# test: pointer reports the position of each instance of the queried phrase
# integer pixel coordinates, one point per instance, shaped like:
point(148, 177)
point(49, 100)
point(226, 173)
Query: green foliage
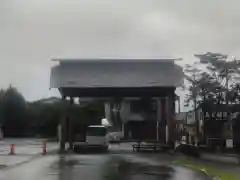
point(13, 112)
point(88, 114)
point(216, 83)
point(2, 92)
point(208, 169)
point(19, 118)
point(213, 83)
point(43, 118)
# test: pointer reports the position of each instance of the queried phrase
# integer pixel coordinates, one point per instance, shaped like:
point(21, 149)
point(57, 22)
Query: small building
point(181, 119)
point(215, 125)
point(50, 100)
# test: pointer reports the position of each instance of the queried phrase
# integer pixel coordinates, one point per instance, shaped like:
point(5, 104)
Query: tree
point(20, 118)
point(224, 71)
point(14, 113)
point(216, 83)
point(44, 118)
point(2, 92)
point(193, 76)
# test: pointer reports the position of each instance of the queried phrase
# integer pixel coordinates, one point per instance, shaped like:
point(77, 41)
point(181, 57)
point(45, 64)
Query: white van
point(96, 136)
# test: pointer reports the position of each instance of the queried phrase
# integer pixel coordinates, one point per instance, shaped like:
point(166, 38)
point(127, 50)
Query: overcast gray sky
point(34, 31)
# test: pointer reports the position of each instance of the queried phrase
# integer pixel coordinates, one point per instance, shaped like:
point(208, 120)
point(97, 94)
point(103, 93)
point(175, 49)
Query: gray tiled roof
point(116, 73)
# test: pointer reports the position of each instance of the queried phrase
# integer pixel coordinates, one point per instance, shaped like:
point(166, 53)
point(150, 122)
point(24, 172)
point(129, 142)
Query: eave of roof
point(72, 60)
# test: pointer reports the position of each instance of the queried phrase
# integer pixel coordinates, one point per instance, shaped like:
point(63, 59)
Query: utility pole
point(195, 108)
point(194, 72)
point(179, 106)
point(227, 101)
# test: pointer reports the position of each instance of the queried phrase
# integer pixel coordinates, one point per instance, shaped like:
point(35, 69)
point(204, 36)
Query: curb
point(201, 170)
point(221, 159)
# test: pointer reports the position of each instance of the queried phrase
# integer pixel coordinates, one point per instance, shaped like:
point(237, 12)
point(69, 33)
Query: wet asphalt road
point(114, 165)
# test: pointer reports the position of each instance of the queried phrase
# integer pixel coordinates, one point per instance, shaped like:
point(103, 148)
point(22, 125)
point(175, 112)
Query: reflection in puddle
point(64, 162)
point(119, 168)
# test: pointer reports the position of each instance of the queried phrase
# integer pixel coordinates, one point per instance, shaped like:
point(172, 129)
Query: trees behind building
point(13, 112)
point(19, 118)
point(214, 86)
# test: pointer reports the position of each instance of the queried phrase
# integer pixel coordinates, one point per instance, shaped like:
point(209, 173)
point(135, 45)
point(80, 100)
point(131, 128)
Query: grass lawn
point(210, 170)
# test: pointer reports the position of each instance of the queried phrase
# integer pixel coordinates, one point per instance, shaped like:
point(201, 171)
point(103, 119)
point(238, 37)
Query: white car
point(96, 137)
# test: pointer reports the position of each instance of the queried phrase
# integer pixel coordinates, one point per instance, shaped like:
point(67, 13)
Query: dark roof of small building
point(49, 100)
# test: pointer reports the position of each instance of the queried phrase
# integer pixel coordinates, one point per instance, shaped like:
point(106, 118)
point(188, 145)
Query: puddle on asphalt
point(120, 169)
point(64, 162)
point(114, 167)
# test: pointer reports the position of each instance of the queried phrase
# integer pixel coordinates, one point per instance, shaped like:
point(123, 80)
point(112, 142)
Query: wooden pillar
point(159, 112)
point(170, 107)
point(167, 120)
point(174, 127)
point(163, 121)
point(70, 124)
point(63, 126)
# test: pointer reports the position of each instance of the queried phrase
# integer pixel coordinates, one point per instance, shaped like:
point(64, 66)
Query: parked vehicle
point(96, 137)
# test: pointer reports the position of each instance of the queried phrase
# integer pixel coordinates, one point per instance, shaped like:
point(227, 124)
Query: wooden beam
point(70, 125)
